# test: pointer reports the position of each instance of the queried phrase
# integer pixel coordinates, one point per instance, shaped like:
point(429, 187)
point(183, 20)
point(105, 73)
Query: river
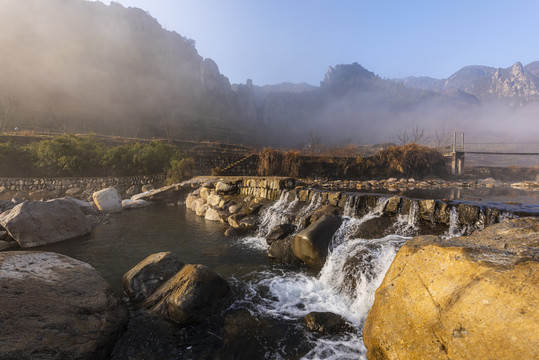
point(264, 318)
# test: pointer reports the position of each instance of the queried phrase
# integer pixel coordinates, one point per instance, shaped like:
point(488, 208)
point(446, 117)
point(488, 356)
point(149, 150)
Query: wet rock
point(333, 198)
point(191, 295)
point(149, 274)
point(324, 210)
point(134, 204)
point(249, 222)
point(311, 245)
point(246, 336)
point(392, 206)
point(427, 209)
point(280, 232)
point(252, 209)
point(326, 323)
point(468, 214)
point(452, 298)
point(442, 213)
point(38, 223)
point(108, 200)
point(234, 220)
point(56, 307)
point(281, 251)
point(375, 228)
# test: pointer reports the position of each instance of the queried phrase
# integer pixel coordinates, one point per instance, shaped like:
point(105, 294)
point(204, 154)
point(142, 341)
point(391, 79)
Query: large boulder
point(56, 307)
point(311, 244)
point(108, 200)
point(190, 296)
point(38, 223)
point(474, 296)
point(149, 274)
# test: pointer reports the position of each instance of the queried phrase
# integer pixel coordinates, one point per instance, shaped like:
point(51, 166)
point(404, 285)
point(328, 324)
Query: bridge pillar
point(457, 162)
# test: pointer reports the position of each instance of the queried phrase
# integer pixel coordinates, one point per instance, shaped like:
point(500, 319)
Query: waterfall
point(345, 286)
point(350, 225)
point(406, 225)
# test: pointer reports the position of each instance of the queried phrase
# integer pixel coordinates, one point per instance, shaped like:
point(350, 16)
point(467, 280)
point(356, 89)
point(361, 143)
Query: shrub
point(292, 163)
point(67, 155)
point(270, 162)
point(411, 160)
point(180, 169)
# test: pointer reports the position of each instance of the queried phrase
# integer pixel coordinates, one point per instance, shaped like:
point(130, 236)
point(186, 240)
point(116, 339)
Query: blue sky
point(296, 40)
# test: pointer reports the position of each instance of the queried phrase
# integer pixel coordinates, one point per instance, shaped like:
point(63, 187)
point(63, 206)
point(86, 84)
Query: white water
point(346, 284)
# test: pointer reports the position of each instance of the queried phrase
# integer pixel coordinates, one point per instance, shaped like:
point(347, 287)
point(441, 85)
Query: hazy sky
point(272, 41)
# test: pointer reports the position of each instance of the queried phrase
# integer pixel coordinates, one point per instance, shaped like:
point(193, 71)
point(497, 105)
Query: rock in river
point(311, 245)
point(191, 295)
point(469, 297)
point(38, 223)
point(142, 280)
point(56, 307)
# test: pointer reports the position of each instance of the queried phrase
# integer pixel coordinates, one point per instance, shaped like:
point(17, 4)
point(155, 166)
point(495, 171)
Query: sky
point(274, 41)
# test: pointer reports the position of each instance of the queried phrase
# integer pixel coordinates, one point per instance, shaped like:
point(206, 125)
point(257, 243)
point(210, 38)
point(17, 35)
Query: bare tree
point(313, 142)
point(442, 138)
point(414, 135)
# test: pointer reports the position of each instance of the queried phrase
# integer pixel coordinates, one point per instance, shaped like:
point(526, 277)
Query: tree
point(314, 141)
point(412, 136)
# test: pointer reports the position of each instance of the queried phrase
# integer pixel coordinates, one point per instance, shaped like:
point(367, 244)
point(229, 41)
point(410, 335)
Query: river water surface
point(277, 296)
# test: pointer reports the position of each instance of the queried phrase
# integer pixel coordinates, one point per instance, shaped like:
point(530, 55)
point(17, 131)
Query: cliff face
point(84, 66)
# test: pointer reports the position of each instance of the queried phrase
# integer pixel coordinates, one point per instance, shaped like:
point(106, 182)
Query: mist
point(78, 67)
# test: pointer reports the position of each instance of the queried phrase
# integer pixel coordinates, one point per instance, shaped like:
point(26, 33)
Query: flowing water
point(273, 298)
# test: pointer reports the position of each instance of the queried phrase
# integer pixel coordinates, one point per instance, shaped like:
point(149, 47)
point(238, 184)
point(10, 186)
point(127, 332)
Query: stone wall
point(205, 164)
point(38, 189)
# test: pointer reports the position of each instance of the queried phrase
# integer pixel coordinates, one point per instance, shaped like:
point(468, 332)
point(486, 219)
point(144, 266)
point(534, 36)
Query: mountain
point(82, 66)
point(79, 66)
point(515, 85)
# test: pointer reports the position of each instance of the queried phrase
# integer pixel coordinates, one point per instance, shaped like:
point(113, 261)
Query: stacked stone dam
point(431, 212)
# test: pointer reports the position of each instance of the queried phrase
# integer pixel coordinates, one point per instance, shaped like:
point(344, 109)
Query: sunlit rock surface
point(108, 200)
point(56, 307)
point(449, 299)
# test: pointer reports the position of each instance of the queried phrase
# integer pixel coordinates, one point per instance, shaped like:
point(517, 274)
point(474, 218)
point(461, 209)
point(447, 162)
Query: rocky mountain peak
point(514, 84)
point(347, 75)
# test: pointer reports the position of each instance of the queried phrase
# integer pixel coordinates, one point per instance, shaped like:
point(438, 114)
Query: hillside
point(77, 66)
point(73, 65)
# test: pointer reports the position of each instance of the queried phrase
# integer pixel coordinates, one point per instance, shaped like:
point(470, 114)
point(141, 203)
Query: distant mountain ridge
point(517, 84)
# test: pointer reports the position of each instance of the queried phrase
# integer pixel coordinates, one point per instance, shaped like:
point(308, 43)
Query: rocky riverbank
point(302, 225)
